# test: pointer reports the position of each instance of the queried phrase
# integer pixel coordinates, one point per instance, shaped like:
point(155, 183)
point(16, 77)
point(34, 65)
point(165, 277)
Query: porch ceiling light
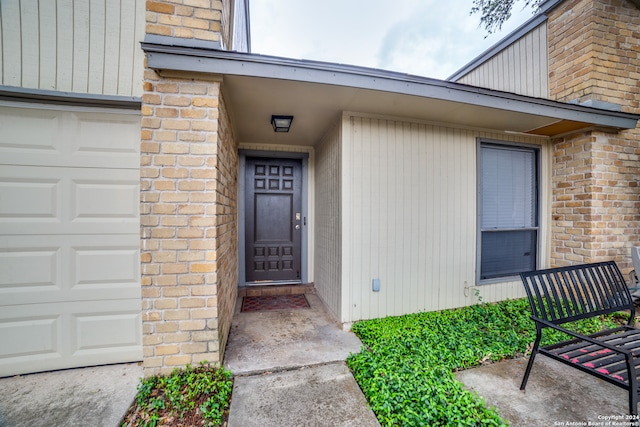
point(281, 123)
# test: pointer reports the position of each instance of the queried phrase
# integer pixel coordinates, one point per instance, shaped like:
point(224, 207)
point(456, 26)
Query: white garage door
point(69, 237)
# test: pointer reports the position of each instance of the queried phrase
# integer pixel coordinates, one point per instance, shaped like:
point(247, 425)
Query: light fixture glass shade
point(281, 123)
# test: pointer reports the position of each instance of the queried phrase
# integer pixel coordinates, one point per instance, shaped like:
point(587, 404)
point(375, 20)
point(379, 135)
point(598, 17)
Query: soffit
point(316, 107)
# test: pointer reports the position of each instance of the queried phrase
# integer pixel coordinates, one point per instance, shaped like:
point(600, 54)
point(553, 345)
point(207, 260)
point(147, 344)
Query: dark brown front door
point(273, 219)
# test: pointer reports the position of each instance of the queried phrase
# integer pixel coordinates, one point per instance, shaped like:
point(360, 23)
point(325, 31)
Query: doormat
point(278, 302)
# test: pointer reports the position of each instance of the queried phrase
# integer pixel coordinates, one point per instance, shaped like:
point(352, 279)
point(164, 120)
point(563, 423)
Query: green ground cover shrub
point(406, 366)
point(192, 396)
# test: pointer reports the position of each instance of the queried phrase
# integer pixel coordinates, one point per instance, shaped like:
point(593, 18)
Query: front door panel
point(273, 219)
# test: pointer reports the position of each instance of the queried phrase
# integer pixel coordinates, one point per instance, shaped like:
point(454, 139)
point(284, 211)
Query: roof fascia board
point(162, 57)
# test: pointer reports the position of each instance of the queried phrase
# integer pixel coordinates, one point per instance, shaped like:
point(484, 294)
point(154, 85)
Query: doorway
point(273, 220)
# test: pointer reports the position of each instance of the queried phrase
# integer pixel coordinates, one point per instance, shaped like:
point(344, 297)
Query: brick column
point(596, 208)
point(189, 172)
point(594, 57)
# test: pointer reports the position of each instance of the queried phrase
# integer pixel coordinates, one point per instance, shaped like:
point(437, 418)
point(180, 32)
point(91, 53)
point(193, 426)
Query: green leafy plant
point(406, 366)
point(201, 393)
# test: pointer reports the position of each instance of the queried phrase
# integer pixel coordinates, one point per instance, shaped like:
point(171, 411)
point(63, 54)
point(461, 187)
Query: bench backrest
point(566, 294)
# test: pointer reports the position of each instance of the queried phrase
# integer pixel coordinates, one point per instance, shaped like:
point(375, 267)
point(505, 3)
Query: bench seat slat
point(576, 344)
point(614, 377)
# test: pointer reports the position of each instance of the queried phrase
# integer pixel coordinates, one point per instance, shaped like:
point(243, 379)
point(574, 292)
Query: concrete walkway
point(556, 395)
point(97, 396)
point(290, 370)
point(321, 395)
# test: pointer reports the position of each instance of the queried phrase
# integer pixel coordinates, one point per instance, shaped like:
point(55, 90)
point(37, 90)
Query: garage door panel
point(67, 335)
point(42, 333)
point(100, 332)
point(39, 200)
point(29, 198)
point(97, 266)
point(104, 200)
point(101, 138)
point(29, 131)
point(33, 270)
point(92, 141)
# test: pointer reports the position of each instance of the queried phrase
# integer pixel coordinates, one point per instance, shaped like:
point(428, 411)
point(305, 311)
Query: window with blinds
point(508, 210)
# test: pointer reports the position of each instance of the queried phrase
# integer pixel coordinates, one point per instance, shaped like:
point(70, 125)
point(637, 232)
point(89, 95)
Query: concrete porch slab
point(325, 395)
point(285, 339)
point(556, 395)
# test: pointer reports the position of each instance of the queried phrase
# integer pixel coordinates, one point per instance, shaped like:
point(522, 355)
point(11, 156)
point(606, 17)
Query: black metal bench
point(566, 294)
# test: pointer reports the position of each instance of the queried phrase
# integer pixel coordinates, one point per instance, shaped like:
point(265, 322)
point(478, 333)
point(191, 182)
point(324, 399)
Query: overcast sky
point(432, 38)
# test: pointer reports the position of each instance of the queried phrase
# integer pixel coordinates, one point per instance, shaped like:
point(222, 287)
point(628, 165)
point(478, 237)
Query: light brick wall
point(594, 54)
point(189, 170)
point(189, 19)
point(226, 231)
point(596, 208)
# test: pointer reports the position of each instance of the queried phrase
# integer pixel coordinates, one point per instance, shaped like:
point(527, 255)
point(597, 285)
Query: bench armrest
point(627, 353)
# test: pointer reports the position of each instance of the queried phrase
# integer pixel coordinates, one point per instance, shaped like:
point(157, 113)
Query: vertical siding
point(97, 18)
point(409, 218)
point(64, 53)
point(240, 41)
point(81, 38)
point(112, 47)
point(30, 60)
point(520, 68)
point(82, 46)
point(327, 221)
point(11, 49)
point(48, 45)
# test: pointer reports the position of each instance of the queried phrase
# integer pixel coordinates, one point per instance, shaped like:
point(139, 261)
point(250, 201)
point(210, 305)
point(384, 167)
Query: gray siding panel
point(82, 46)
point(64, 53)
point(521, 68)
point(48, 46)
point(81, 39)
point(11, 51)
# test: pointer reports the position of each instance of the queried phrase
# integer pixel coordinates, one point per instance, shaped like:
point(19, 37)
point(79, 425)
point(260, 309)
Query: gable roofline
point(508, 40)
point(218, 62)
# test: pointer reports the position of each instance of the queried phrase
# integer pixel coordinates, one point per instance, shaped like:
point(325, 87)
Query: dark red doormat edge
point(277, 302)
